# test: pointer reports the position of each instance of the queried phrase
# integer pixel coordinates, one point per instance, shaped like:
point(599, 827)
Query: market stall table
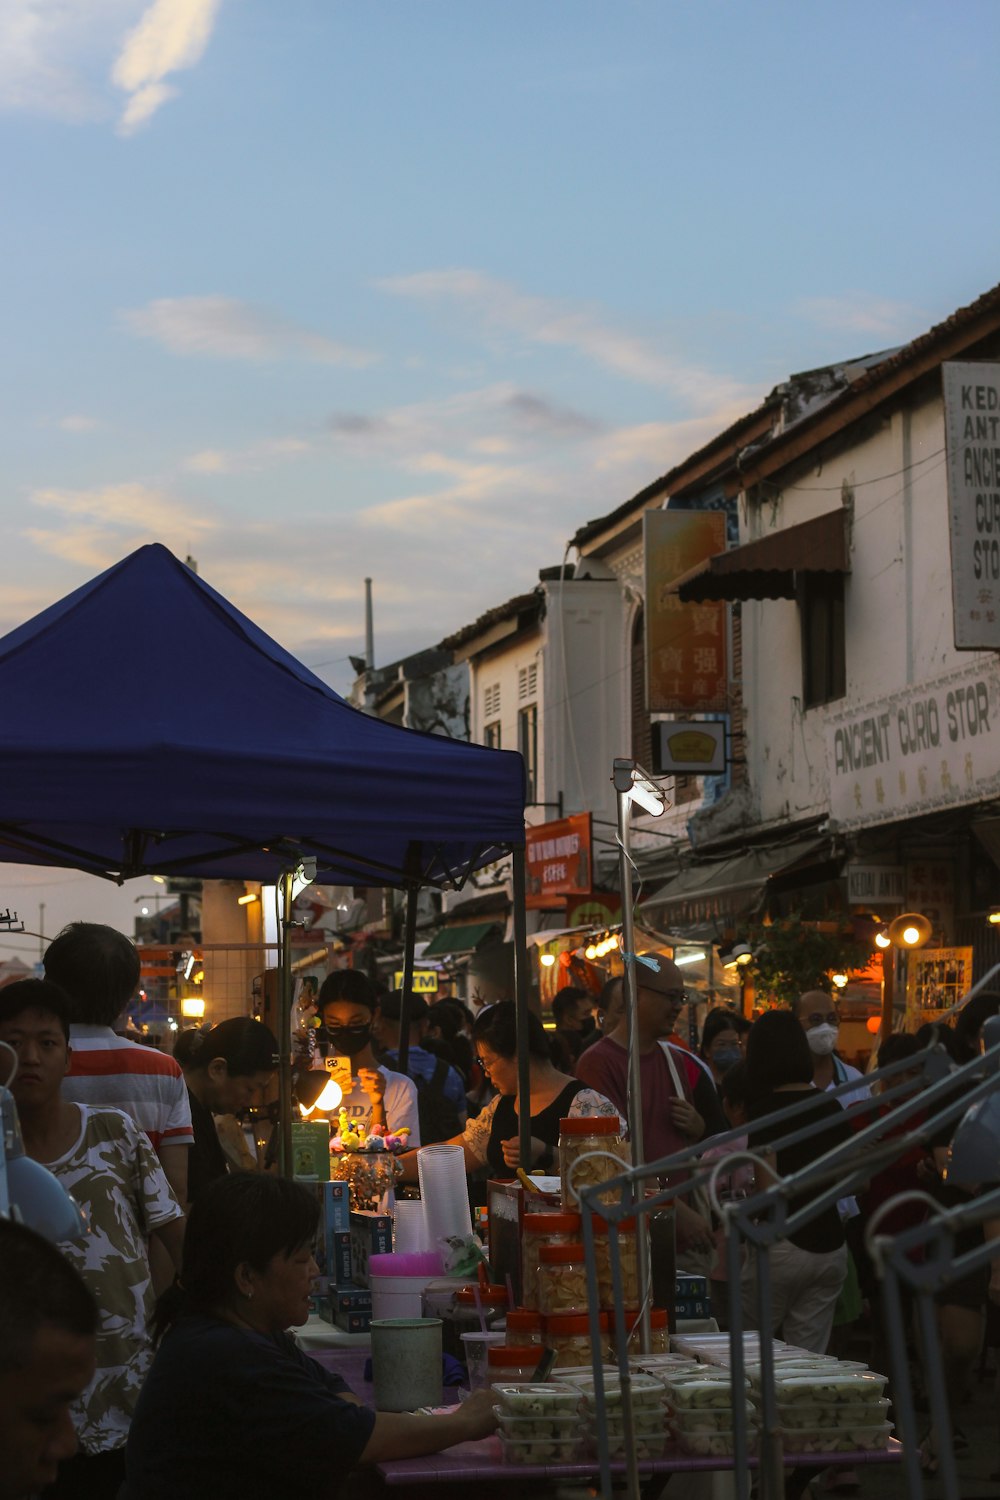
point(481, 1461)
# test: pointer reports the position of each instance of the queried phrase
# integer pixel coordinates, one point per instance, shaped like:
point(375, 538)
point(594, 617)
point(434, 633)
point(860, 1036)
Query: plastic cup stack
point(444, 1193)
point(409, 1227)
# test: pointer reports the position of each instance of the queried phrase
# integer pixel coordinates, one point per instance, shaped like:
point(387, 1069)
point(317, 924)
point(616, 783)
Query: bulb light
point(882, 939)
point(910, 936)
point(547, 959)
point(839, 980)
point(246, 900)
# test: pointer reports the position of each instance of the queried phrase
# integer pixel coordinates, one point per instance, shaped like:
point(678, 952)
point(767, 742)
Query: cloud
point(860, 312)
point(78, 423)
point(106, 523)
point(538, 320)
point(244, 460)
point(223, 328)
point(171, 36)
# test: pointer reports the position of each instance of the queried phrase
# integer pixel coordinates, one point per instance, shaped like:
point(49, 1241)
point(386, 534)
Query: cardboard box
point(688, 1286)
point(334, 1219)
point(340, 1268)
point(351, 1299)
point(311, 1150)
point(353, 1322)
point(371, 1234)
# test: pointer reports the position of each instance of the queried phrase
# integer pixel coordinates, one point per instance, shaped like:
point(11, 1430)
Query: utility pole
point(41, 930)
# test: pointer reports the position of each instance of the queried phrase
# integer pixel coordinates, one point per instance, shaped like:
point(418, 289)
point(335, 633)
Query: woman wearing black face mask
point(378, 1096)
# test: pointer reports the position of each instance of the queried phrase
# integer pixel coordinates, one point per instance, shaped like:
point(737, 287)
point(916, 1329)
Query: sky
point(327, 290)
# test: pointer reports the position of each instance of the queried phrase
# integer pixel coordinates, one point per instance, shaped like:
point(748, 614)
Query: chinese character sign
point(557, 860)
point(686, 668)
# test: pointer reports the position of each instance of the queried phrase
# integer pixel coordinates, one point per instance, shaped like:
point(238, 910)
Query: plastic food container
point(541, 1450)
point(524, 1326)
point(649, 1440)
point(709, 1418)
point(507, 1362)
point(568, 1334)
point(830, 1389)
point(556, 1425)
point(857, 1414)
point(701, 1442)
point(538, 1230)
point(532, 1399)
point(846, 1439)
point(628, 1258)
point(587, 1135)
point(659, 1332)
point(562, 1279)
point(705, 1390)
point(647, 1392)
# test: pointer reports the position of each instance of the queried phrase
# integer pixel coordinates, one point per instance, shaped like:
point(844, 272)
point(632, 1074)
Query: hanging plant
point(791, 956)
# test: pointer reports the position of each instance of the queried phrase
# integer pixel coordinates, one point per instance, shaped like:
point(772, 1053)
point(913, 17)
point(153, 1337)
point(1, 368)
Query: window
point(491, 701)
point(491, 735)
point(824, 661)
point(527, 683)
point(527, 743)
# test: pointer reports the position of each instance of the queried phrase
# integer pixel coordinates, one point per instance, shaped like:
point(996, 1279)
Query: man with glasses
point(817, 1014)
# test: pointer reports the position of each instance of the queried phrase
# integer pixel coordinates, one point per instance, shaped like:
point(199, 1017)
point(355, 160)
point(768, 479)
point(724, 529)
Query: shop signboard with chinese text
point(686, 669)
point(557, 860)
point(972, 438)
point(928, 747)
point(930, 890)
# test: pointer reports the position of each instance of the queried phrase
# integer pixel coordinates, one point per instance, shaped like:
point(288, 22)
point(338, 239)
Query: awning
point(731, 889)
point(767, 568)
point(459, 939)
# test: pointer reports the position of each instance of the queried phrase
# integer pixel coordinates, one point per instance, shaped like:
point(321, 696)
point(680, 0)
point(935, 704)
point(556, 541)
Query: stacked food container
point(539, 1423)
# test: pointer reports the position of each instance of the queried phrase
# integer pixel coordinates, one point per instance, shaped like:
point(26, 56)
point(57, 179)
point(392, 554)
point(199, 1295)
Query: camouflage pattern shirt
point(113, 1173)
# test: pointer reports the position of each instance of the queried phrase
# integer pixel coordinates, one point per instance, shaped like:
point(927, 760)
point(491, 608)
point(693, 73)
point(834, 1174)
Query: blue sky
point(321, 290)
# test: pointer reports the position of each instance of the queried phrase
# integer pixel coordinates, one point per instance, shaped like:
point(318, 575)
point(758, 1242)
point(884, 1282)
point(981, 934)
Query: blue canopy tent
point(234, 761)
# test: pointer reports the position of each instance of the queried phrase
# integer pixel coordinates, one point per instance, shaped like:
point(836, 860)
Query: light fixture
point(193, 1008)
point(305, 874)
point(198, 977)
point(882, 938)
point(739, 955)
point(647, 794)
point(246, 900)
point(546, 960)
point(317, 1091)
point(689, 958)
point(911, 930)
point(590, 951)
point(840, 980)
point(185, 967)
point(874, 1025)
point(994, 917)
point(160, 879)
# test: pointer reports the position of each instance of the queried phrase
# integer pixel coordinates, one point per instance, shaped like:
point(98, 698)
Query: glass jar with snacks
point(598, 1138)
point(568, 1335)
point(562, 1279)
point(524, 1326)
point(659, 1333)
point(454, 1302)
point(508, 1362)
point(538, 1230)
point(628, 1258)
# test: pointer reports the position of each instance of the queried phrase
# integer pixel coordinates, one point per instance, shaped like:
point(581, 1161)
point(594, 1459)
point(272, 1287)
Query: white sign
point(927, 747)
point(690, 746)
point(876, 885)
point(972, 434)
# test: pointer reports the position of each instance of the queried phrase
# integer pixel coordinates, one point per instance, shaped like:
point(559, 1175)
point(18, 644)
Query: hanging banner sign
point(557, 860)
point(972, 436)
point(686, 669)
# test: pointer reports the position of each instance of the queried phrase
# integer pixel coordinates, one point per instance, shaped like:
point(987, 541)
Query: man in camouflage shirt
point(107, 1164)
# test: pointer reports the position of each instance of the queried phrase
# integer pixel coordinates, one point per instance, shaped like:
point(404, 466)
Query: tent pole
point(285, 1028)
point(406, 999)
point(521, 982)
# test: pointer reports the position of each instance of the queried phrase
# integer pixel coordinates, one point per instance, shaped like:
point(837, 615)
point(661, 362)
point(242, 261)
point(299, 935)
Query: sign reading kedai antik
point(933, 746)
point(972, 433)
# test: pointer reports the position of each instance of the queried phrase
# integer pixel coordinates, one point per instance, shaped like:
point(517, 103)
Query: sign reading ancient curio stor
point(972, 432)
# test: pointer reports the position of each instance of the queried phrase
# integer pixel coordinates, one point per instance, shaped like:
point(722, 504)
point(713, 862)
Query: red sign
point(685, 643)
point(557, 860)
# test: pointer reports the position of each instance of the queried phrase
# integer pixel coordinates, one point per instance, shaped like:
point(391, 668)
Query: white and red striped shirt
point(105, 1069)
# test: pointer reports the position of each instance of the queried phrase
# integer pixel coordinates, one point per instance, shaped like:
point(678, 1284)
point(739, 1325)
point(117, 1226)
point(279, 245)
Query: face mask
point(726, 1059)
point(822, 1039)
point(349, 1040)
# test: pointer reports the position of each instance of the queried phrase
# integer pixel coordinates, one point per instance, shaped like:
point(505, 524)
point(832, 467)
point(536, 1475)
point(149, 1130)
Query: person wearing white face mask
point(816, 1013)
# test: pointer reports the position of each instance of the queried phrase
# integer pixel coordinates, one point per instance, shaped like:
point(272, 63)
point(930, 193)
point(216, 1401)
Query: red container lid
point(590, 1125)
point(657, 1317)
point(563, 1223)
point(492, 1295)
point(555, 1255)
point(523, 1320)
point(565, 1323)
point(507, 1356)
point(624, 1225)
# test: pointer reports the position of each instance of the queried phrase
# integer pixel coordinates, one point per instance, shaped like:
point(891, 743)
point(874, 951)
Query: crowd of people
point(152, 1356)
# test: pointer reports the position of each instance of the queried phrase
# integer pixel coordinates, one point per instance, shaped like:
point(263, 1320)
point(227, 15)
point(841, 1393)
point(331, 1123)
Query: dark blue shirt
point(232, 1415)
point(421, 1064)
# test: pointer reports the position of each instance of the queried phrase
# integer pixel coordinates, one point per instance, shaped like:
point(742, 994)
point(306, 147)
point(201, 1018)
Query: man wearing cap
point(679, 1104)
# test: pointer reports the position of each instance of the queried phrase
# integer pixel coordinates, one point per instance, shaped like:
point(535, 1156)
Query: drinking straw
point(479, 1308)
point(510, 1290)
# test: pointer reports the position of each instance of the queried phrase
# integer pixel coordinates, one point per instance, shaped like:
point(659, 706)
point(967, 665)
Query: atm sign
point(425, 981)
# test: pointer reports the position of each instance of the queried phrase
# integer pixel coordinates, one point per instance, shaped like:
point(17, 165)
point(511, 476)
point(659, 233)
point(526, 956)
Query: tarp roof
point(731, 888)
point(220, 755)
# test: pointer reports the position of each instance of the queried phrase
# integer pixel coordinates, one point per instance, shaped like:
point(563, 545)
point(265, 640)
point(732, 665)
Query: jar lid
point(511, 1355)
point(553, 1255)
point(590, 1125)
point(601, 1225)
point(493, 1294)
point(563, 1223)
point(563, 1323)
point(657, 1317)
point(523, 1320)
